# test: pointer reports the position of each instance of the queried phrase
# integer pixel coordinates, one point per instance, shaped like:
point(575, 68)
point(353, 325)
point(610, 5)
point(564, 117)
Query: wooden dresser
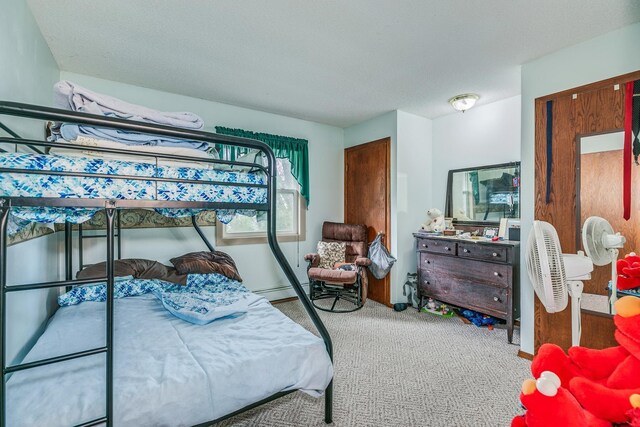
point(476, 274)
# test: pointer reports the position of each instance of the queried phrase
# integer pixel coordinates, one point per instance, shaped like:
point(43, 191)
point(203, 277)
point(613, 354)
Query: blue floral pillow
point(125, 286)
point(214, 282)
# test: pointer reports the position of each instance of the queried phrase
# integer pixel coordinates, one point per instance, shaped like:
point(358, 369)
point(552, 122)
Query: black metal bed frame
point(111, 207)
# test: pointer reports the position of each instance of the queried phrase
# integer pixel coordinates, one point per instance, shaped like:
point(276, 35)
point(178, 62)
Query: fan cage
point(546, 267)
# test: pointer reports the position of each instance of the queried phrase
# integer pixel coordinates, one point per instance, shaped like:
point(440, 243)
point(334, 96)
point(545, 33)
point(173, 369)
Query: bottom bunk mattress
point(167, 372)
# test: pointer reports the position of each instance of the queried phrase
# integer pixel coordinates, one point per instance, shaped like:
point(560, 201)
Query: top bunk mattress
point(167, 372)
point(34, 181)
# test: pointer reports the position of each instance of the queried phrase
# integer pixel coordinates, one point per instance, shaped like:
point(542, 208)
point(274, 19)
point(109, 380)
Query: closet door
point(367, 199)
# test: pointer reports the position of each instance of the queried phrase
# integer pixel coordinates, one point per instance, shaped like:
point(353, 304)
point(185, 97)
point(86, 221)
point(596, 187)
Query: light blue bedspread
point(70, 96)
point(167, 372)
point(205, 298)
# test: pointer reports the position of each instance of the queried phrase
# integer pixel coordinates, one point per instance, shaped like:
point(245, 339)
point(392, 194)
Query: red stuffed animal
point(548, 405)
point(628, 272)
point(602, 381)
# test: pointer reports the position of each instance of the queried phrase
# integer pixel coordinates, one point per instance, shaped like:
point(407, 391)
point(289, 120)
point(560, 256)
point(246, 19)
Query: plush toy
point(634, 414)
point(602, 381)
point(461, 216)
point(548, 405)
point(628, 272)
point(435, 221)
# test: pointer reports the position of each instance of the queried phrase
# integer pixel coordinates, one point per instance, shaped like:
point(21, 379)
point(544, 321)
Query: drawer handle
point(426, 282)
point(495, 254)
point(424, 245)
point(466, 251)
point(496, 299)
point(495, 273)
point(427, 261)
point(446, 248)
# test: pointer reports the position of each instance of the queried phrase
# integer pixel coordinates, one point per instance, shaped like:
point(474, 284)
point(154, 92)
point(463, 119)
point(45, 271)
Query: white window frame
point(223, 238)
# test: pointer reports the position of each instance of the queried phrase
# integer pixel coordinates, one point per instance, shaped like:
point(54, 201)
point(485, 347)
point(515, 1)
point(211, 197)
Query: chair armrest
point(363, 262)
point(313, 259)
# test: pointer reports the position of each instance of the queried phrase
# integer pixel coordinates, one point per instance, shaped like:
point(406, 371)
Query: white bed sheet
point(168, 372)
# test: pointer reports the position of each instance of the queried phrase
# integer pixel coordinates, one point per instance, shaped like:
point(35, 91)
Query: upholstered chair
point(346, 281)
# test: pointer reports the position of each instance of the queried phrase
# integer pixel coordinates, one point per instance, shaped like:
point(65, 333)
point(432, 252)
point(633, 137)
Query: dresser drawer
point(483, 298)
point(474, 271)
point(428, 260)
point(437, 246)
point(484, 252)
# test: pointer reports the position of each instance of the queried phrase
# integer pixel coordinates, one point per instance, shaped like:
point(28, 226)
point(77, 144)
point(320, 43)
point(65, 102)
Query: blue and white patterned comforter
point(205, 298)
point(43, 185)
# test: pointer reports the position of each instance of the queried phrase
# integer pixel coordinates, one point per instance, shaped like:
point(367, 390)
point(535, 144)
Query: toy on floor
point(601, 381)
point(548, 405)
point(436, 307)
point(479, 319)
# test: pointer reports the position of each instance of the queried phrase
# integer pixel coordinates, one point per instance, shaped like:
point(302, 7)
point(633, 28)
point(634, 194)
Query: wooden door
point(587, 110)
point(367, 199)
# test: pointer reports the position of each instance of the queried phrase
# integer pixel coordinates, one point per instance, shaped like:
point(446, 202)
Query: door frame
point(387, 232)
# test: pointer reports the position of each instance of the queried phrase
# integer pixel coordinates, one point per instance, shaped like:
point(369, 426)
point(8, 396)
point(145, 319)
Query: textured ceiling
point(330, 61)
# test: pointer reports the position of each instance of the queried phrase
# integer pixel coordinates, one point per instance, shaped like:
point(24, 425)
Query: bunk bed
point(149, 188)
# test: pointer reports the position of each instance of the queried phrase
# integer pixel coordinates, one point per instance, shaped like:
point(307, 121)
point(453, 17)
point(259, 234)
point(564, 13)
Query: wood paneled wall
point(586, 110)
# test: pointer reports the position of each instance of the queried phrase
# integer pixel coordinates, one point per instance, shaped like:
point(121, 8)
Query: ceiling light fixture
point(464, 102)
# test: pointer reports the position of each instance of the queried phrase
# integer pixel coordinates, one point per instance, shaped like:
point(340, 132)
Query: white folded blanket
point(150, 149)
point(73, 97)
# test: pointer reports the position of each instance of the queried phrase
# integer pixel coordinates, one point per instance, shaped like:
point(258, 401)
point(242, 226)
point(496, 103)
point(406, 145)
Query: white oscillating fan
point(555, 275)
point(601, 245)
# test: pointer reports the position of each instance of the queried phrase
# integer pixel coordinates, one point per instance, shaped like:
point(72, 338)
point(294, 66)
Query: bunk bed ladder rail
point(107, 349)
point(82, 237)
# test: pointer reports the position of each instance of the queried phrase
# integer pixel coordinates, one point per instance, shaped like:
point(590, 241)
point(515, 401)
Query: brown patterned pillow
point(205, 263)
point(138, 268)
point(330, 253)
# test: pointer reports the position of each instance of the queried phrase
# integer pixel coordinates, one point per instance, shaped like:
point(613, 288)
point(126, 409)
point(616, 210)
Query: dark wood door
point(367, 199)
point(586, 110)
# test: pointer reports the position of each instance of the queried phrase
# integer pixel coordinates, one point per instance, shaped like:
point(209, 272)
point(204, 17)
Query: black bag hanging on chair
point(381, 259)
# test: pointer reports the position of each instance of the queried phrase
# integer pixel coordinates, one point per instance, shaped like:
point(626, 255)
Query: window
point(290, 211)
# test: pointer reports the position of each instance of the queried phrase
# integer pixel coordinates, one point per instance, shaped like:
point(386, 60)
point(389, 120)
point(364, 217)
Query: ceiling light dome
point(464, 102)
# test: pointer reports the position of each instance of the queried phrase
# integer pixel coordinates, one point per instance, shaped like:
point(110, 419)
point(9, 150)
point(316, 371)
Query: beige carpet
point(406, 369)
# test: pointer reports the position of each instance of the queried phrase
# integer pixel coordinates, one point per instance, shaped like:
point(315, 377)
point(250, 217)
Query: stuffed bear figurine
point(628, 272)
point(435, 221)
point(601, 381)
point(548, 405)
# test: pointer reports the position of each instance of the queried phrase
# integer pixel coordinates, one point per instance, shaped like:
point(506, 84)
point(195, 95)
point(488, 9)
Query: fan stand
point(575, 291)
point(613, 252)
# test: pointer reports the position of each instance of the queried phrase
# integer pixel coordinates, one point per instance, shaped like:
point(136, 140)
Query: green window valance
point(296, 150)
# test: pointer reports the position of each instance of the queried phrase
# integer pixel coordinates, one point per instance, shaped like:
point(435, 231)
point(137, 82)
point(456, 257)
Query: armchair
point(347, 283)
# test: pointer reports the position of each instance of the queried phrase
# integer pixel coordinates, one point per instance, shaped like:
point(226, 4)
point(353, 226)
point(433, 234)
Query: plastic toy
point(479, 319)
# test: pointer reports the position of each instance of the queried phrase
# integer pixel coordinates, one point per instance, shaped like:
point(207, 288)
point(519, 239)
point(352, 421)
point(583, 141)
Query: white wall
point(414, 192)
point(27, 74)
point(487, 134)
point(612, 54)
point(256, 263)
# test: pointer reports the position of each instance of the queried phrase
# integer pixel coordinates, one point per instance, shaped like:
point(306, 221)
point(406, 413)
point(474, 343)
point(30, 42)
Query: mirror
point(599, 189)
point(485, 194)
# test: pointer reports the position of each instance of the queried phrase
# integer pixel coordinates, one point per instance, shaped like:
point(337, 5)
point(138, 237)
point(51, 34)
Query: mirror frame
point(449, 202)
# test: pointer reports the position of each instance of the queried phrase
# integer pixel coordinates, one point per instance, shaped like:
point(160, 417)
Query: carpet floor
point(405, 369)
